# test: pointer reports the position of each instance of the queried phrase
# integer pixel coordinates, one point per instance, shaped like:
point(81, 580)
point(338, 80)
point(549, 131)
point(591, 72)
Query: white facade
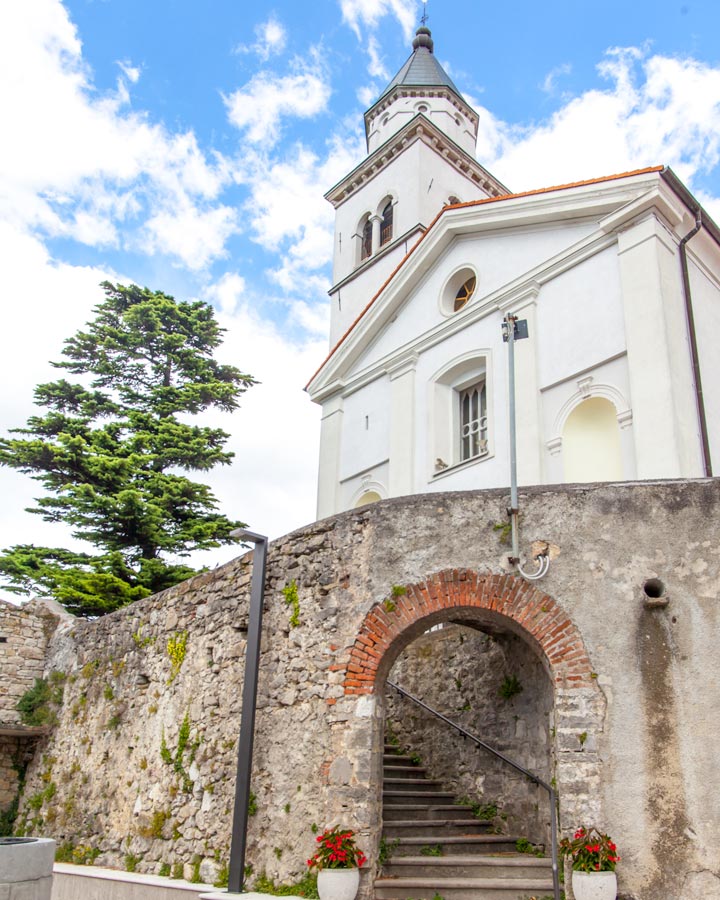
point(605, 384)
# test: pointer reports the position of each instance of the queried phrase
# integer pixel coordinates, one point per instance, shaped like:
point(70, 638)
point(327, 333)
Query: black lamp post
point(236, 873)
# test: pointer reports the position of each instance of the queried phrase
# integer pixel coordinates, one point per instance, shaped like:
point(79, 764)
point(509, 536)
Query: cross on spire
point(425, 13)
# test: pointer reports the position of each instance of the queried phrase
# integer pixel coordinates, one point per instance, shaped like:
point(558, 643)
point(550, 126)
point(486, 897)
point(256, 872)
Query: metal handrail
point(534, 778)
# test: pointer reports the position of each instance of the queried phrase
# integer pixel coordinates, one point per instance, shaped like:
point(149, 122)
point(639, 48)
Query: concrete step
point(461, 888)
point(434, 829)
point(396, 759)
point(404, 772)
point(411, 784)
point(421, 811)
point(461, 866)
point(416, 798)
point(452, 845)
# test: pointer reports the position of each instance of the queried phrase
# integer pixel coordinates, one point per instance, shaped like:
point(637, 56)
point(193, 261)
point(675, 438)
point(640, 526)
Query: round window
point(459, 289)
point(467, 289)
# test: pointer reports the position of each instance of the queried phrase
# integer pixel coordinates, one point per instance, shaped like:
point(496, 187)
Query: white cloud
point(657, 110)
point(74, 161)
point(259, 107)
point(287, 211)
point(368, 13)
point(367, 95)
point(550, 81)
point(275, 433)
point(131, 72)
point(376, 67)
point(195, 236)
point(227, 292)
point(271, 39)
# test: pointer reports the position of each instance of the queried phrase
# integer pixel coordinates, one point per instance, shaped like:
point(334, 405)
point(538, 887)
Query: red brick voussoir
point(536, 613)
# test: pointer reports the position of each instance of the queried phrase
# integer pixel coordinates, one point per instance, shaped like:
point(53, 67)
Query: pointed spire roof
point(422, 68)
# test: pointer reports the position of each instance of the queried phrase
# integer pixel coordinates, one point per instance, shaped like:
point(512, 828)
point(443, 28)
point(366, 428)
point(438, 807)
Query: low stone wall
point(139, 771)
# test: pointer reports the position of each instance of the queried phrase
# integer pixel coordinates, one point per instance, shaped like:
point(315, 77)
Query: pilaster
point(402, 426)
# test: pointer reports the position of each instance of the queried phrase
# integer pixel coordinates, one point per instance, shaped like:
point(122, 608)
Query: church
point(416, 686)
point(617, 279)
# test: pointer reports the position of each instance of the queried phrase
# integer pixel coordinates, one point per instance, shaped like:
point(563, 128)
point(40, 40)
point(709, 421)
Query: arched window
point(386, 228)
point(366, 244)
point(461, 415)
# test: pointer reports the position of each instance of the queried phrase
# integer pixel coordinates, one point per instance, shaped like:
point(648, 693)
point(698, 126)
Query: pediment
point(585, 217)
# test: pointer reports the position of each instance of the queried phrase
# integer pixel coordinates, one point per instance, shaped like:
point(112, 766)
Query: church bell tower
point(421, 137)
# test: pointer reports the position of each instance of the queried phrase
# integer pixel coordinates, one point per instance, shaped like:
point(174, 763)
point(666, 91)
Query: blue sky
point(186, 146)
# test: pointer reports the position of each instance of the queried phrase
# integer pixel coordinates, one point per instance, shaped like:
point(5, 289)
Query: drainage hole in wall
point(654, 588)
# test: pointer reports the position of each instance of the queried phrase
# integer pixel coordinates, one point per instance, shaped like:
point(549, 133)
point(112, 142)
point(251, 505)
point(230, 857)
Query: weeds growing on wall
point(39, 704)
point(290, 593)
point(176, 650)
point(79, 855)
point(177, 759)
point(510, 687)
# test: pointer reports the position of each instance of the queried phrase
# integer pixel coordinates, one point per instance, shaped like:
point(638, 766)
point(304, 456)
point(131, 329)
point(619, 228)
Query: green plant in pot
point(593, 856)
point(338, 860)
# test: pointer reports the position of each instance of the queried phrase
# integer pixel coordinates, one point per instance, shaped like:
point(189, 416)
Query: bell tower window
point(366, 244)
point(386, 226)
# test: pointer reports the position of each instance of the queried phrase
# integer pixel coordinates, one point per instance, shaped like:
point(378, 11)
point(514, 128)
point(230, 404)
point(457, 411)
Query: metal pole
point(510, 326)
point(236, 873)
point(554, 843)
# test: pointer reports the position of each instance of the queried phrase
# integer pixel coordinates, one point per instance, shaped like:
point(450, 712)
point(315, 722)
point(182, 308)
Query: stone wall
point(140, 768)
point(24, 633)
point(495, 688)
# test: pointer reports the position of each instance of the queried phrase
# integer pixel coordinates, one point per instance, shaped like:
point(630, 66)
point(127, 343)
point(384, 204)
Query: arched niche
point(591, 443)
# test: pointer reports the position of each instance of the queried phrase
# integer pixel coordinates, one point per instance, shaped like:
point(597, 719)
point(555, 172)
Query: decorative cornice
point(418, 128)
point(383, 251)
point(406, 363)
point(421, 92)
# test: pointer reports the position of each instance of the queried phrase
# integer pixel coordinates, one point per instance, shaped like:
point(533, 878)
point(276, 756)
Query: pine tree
point(112, 445)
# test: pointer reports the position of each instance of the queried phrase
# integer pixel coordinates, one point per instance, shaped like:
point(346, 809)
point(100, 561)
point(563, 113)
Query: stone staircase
point(438, 848)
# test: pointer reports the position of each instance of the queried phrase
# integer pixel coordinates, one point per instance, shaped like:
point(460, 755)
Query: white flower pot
point(338, 884)
point(594, 885)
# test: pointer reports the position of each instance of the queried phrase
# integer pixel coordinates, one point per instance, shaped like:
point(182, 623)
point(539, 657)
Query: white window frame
point(473, 428)
point(447, 387)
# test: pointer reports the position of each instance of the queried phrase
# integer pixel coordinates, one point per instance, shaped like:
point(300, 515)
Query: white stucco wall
point(705, 290)
point(420, 182)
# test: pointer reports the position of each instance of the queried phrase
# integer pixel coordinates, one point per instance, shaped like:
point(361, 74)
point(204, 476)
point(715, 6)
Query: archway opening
point(537, 642)
point(491, 683)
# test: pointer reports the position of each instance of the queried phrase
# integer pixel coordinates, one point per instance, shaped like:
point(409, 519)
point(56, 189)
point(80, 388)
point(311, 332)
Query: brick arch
point(508, 596)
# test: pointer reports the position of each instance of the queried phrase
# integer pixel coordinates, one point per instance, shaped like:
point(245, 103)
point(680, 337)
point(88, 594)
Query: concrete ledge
point(23, 862)
point(226, 895)
point(94, 883)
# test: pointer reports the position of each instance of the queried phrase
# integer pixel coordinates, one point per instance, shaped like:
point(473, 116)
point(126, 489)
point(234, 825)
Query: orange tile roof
point(485, 200)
